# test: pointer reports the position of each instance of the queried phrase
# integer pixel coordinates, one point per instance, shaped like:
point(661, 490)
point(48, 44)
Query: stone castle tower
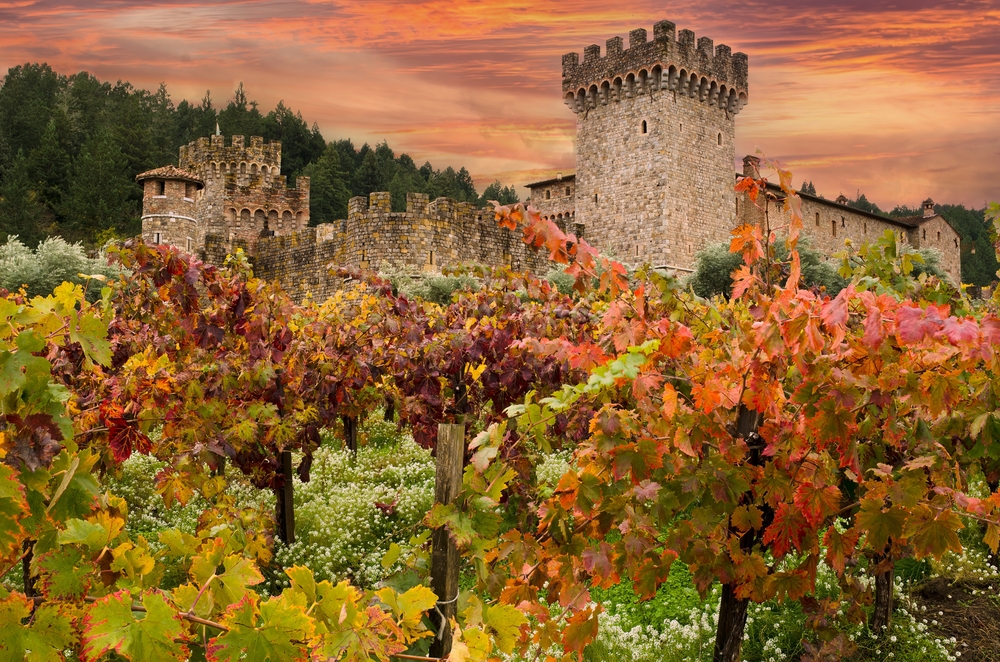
point(231, 192)
point(655, 143)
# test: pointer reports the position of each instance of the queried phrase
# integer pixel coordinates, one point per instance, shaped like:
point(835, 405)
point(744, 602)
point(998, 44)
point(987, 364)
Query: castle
point(654, 183)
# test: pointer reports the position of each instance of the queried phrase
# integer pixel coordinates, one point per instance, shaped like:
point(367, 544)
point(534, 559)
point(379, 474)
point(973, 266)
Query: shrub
point(715, 264)
point(54, 261)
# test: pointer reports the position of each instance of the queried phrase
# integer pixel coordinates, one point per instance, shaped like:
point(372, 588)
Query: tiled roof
point(169, 172)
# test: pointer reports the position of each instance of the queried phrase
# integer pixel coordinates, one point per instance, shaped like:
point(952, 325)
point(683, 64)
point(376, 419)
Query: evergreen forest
point(72, 145)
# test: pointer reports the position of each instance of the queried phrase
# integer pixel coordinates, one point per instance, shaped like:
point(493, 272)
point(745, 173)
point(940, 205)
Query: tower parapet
point(672, 62)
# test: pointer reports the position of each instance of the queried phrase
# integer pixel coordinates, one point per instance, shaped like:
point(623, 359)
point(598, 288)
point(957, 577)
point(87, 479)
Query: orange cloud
point(897, 101)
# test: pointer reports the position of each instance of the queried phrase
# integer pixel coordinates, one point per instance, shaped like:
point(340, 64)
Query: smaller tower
point(170, 200)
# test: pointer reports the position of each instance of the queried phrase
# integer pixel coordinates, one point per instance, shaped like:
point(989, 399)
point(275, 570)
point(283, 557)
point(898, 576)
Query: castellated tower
point(232, 194)
point(654, 143)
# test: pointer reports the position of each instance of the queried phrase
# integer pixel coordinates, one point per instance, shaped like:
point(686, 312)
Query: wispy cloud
point(898, 99)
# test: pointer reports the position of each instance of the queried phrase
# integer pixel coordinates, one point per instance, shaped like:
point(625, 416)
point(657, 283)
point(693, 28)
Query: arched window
point(644, 129)
point(548, 195)
point(720, 138)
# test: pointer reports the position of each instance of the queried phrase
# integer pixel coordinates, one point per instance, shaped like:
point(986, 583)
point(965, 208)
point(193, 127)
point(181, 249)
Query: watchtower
point(655, 142)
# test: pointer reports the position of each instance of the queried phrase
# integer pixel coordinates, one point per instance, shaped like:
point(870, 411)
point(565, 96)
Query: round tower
point(170, 198)
point(655, 143)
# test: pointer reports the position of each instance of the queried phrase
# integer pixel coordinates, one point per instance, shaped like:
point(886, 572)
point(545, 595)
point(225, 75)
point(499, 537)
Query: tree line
point(72, 145)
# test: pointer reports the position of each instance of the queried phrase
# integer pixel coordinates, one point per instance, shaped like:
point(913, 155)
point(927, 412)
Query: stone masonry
point(829, 224)
point(655, 143)
point(232, 191)
point(654, 184)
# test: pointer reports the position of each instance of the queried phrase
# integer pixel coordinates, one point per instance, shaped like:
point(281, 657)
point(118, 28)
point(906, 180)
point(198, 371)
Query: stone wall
point(554, 198)
point(424, 238)
point(655, 144)
point(829, 225)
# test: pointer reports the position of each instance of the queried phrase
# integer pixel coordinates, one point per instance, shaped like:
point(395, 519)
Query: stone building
point(655, 130)
point(829, 223)
point(654, 183)
point(224, 197)
point(655, 150)
point(232, 191)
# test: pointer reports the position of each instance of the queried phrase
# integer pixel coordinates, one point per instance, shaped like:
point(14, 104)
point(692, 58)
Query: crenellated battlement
point(672, 61)
point(212, 158)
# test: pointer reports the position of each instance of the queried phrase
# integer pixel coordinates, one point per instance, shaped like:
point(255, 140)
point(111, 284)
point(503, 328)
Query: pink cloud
point(895, 100)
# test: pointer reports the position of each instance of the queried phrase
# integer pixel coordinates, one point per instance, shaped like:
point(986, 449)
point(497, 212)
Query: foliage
point(733, 439)
point(52, 263)
point(715, 264)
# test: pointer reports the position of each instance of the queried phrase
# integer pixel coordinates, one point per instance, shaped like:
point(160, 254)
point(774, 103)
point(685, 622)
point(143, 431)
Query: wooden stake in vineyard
point(444, 555)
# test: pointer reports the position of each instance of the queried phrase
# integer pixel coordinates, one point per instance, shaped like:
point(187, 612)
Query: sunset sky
point(898, 99)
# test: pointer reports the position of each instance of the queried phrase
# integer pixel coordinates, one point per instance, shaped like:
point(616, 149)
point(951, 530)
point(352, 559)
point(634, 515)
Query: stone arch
point(570, 101)
point(592, 97)
point(616, 86)
point(214, 165)
point(245, 217)
point(286, 219)
point(670, 83)
point(300, 219)
point(254, 169)
point(723, 96)
point(629, 85)
point(713, 94)
point(243, 167)
point(581, 99)
point(605, 93)
point(259, 218)
point(703, 88)
point(656, 77)
point(230, 215)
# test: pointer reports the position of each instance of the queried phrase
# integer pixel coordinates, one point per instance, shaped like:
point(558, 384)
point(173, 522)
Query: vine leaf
point(110, 624)
point(64, 574)
point(46, 636)
point(273, 630)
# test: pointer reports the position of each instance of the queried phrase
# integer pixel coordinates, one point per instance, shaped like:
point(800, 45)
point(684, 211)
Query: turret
point(170, 198)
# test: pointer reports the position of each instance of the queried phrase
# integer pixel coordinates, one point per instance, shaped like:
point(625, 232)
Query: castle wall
point(659, 196)
point(829, 225)
point(936, 233)
point(424, 238)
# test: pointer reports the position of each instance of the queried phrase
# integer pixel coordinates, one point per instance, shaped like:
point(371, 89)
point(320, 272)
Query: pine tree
point(21, 212)
point(368, 177)
point(505, 195)
point(328, 191)
point(100, 191)
point(49, 165)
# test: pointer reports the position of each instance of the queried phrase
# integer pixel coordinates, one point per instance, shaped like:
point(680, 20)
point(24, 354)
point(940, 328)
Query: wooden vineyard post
point(350, 432)
point(444, 555)
point(285, 504)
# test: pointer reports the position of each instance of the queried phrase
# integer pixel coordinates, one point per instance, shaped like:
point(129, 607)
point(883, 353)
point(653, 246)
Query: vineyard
point(196, 467)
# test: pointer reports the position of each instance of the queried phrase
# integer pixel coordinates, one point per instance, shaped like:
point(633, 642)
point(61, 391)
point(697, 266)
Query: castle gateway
point(656, 127)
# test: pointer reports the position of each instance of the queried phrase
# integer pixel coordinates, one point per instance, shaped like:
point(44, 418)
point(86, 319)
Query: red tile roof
point(169, 172)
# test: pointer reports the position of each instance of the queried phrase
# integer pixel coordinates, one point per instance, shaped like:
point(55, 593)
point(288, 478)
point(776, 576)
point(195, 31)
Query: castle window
point(161, 187)
point(956, 243)
point(865, 229)
point(843, 222)
point(430, 257)
point(189, 244)
point(595, 198)
point(156, 238)
point(817, 219)
point(720, 138)
point(567, 191)
point(681, 127)
point(548, 195)
point(833, 226)
point(925, 233)
point(939, 236)
point(644, 126)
